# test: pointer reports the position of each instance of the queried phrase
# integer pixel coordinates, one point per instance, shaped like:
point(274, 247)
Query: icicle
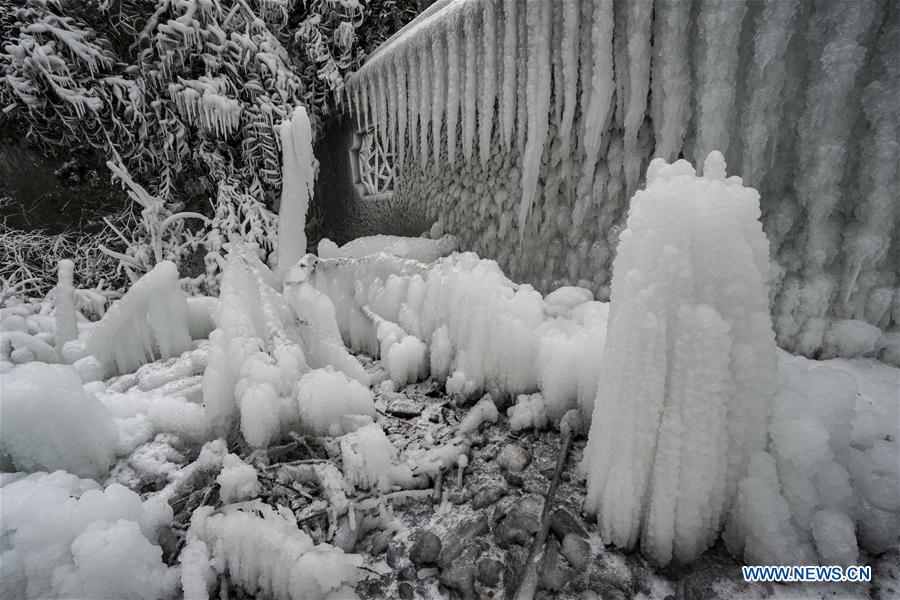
point(716, 67)
point(488, 83)
point(453, 85)
point(522, 82)
point(411, 83)
point(365, 85)
point(774, 28)
point(471, 82)
point(601, 86)
point(671, 76)
point(392, 104)
point(638, 19)
point(402, 101)
point(357, 107)
point(867, 243)
point(538, 103)
point(382, 123)
point(825, 126)
point(425, 77)
point(510, 85)
point(569, 50)
point(556, 62)
point(438, 74)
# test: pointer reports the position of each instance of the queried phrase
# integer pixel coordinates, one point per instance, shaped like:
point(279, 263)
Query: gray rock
point(576, 550)
point(563, 522)
point(404, 408)
point(513, 479)
point(426, 549)
point(710, 583)
point(465, 533)
point(514, 568)
point(488, 571)
point(514, 458)
point(488, 494)
point(380, 542)
point(522, 521)
point(460, 573)
point(405, 590)
point(407, 573)
point(553, 575)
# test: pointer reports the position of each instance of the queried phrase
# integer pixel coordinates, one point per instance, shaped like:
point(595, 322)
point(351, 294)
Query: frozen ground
point(485, 526)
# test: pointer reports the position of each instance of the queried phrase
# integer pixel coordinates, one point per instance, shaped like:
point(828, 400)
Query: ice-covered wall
point(524, 127)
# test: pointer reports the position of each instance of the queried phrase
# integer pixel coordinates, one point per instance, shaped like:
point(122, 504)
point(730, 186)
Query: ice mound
point(833, 467)
point(325, 397)
point(367, 456)
point(87, 542)
point(689, 367)
point(48, 422)
point(421, 249)
point(263, 551)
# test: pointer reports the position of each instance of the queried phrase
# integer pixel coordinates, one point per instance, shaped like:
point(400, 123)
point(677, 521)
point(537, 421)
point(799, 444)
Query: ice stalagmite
point(689, 366)
point(538, 103)
point(299, 170)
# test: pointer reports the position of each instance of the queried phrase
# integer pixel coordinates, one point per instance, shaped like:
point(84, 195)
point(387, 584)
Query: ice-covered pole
point(689, 366)
point(66, 321)
point(298, 177)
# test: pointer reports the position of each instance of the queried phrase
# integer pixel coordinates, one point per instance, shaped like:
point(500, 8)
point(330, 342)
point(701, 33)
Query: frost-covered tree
point(184, 96)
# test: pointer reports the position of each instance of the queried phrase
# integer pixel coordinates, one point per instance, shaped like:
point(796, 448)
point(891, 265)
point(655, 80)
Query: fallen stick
point(568, 426)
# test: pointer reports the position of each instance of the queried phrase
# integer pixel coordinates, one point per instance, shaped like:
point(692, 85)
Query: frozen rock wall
point(522, 128)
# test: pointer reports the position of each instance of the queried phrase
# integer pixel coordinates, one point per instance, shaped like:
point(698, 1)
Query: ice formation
point(150, 322)
point(367, 456)
point(527, 413)
point(264, 552)
point(237, 480)
point(689, 367)
point(48, 422)
point(573, 98)
point(830, 482)
point(299, 173)
point(326, 399)
point(482, 332)
point(88, 542)
point(421, 249)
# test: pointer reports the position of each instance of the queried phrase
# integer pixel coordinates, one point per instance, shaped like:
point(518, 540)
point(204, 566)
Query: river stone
point(426, 549)
point(514, 458)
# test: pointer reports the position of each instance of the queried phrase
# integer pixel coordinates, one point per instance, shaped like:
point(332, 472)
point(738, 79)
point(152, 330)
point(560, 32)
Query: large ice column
point(689, 367)
point(299, 174)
